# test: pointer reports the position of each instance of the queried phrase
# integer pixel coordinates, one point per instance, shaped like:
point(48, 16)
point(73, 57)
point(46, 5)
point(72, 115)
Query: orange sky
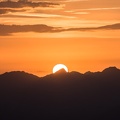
point(54, 34)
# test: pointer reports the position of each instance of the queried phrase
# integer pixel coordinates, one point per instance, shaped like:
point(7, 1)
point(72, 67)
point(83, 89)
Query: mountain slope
point(60, 96)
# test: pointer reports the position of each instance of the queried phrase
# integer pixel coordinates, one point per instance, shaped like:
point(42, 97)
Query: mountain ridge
point(112, 69)
point(63, 96)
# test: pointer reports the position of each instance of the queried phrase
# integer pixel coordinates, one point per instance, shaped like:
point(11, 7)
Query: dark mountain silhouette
point(17, 78)
point(60, 96)
point(61, 71)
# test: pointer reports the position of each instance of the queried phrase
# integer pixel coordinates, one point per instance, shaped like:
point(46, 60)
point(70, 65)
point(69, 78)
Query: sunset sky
point(82, 34)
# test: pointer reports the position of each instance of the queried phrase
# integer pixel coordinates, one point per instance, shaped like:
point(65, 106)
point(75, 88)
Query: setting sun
point(58, 67)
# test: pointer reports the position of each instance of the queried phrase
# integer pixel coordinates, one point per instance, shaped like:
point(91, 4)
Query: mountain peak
point(19, 75)
point(61, 71)
point(110, 69)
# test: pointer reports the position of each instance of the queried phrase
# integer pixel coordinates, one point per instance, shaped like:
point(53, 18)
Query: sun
point(58, 67)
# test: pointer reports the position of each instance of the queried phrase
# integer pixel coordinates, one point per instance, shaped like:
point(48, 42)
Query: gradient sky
point(82, 34)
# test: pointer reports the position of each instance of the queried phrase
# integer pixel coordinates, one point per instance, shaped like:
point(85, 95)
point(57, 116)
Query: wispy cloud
point(96, 9)
point(74, 0)
point(21, 5)
point(34, 15)
point(107, 27)
point(87, 10)
point(29, 9)
point(66, 0)
point(11, 10)
point(9, 29)
point(25, 3)
point(81, 13)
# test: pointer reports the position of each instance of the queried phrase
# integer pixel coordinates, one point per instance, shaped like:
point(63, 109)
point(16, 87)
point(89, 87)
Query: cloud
point(29, 7)
point(68, 0)
point(73, 0)
point(114, 26)
point(97, 9)
point(25, 3)
point(87, 10)
point(107, 27)
point(4, 11)
point(39, 15)
point(9, 29)
point(9, 10)
point(41, 28)
point(81, 13)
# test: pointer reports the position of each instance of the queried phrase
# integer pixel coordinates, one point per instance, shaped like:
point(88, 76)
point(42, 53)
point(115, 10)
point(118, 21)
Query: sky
point(36, 35)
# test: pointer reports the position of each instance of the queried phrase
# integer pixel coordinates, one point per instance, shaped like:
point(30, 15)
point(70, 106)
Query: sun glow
point(58, 67)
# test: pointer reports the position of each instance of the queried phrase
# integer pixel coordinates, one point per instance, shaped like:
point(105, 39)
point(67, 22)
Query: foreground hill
point(60, 96)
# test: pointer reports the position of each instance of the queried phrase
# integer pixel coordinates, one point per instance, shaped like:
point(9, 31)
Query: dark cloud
point(41, 28)
point(12, 6)
point(113, 27)
point(4, 11)
point(9, 29)
point(25, 3)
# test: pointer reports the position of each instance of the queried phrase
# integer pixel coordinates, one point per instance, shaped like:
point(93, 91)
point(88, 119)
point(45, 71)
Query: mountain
point(16, 79)
point(61, 71)
point(60, 96)
point(18, 75)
